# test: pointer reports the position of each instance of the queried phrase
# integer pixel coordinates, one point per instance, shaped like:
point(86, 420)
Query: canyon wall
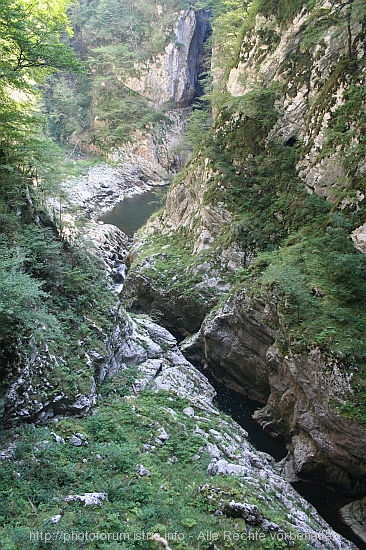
point(289, 114)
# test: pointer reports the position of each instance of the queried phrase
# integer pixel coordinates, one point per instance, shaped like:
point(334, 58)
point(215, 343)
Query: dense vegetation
point(55, 305)
point(166, 499)
point(304, 252)
point(55, 311)
point(115, 38)
point(48, 287)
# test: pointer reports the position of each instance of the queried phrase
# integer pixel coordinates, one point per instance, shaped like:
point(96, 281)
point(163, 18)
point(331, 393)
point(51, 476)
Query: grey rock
point(89, 499)
point(56, 519)
point(58, 439)
point(173, 76)
point(162, 436)
point(142, 471)
point(224, 468)
point(148, 448)
point(354, 515)
point(249, 512)
point(78, 440)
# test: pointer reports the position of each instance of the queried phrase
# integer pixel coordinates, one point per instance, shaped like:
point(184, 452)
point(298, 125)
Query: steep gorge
point(227, 264)
point(255, 235)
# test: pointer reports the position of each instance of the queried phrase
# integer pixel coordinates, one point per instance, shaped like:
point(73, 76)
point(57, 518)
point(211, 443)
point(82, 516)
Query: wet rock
point(303, 389)
point(237, 344)
point(105, 185)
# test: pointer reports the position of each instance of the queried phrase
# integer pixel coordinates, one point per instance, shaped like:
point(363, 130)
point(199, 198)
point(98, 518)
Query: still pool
point(133, 212)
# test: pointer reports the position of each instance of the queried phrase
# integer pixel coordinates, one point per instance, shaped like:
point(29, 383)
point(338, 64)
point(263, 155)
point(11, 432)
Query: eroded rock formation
point(314, 76)
point(173, 75)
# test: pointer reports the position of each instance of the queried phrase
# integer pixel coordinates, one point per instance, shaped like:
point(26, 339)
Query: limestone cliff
point(286, 153)
point(173, 75)
point(317, 60)
point(170, 78)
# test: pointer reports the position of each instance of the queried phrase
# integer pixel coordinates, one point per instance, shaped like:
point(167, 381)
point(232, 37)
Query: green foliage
point(30, 45)
point(318, 279)
point(21, 296)
point(197, 132)
point(36, 480)
point(304, 255)
point(31, 48)
point(226, 28)
point(257, 181)
point(115, 38)
point(68, 99)
point(50, 292)
point(283, 10)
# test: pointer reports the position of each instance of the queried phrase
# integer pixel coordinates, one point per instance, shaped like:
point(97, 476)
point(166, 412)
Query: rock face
point(170, 78)
point(301, 392)
point(231, 453)
point(312, 75)
point(187, 208)
point(240, 361)
point(104, 185)
point(111, 246)
point(292, 57)
point(159, 365)
point(35, 395)
point(155, 152)
point(173, 75)
point(305, 392)
point(169, 307)
point(354, 515)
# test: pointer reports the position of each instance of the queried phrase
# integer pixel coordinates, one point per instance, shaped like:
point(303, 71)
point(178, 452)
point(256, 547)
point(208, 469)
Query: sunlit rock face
point(312, 61)
point(306, 67)
point(173, 75)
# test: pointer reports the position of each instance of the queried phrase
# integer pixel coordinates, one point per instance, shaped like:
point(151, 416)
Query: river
point(129, 216)
point(133, 212)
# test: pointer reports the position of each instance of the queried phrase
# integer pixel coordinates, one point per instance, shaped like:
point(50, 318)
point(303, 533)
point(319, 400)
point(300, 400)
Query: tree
point(31, 47)
point(31, 41)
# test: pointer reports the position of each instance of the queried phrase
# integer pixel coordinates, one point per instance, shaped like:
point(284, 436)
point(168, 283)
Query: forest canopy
point(32, 45)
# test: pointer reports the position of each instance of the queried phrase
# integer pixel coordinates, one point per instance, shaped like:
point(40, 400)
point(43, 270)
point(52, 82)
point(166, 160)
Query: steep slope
point(142, 64)
point(155, 456)
point(266, 208)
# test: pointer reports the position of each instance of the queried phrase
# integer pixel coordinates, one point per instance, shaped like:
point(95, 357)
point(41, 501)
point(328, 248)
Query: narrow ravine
point(129, 216)
point(326, 498)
